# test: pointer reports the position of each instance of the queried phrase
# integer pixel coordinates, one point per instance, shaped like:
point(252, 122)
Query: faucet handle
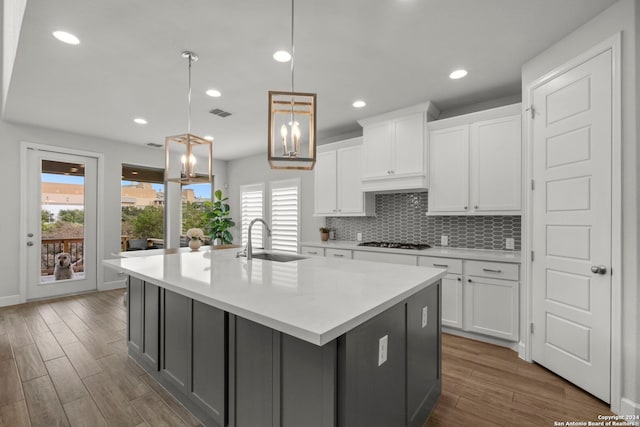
point(241, 253)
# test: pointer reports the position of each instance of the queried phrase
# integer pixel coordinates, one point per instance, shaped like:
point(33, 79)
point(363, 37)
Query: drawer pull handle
point(469, 280)
point(338, 255)
point(491, 270)
point(440, 265)
point(312, 252)
point(459, 279)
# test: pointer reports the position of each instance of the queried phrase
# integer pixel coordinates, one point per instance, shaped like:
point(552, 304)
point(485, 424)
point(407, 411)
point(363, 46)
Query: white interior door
point(61, 223)
point(572, 141)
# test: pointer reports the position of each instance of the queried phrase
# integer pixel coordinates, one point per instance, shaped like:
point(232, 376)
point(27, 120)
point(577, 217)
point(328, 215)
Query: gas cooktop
point(396, 245)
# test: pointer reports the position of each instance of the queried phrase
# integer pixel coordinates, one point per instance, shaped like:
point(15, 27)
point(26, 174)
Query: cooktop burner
point(396, 245)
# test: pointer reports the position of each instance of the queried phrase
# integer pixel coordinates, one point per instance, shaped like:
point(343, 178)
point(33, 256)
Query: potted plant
point(218, 220)
point(195, 236)
point(324, 233)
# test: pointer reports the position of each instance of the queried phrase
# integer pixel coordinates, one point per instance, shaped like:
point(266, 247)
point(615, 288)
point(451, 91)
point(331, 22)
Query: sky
point(200, 190)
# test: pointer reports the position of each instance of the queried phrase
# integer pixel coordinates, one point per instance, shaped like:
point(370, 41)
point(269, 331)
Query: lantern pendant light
point(191, 146)
point(292, 124)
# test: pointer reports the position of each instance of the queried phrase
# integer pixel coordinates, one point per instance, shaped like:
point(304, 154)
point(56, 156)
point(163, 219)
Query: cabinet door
point(378, 142)
point(349, 188)
point(449, 170)
point(135, 314)
point(409, 147)
point(496, 165)
point(176, 351)
point(325, 183)
point(151, 347)
point(452, 301)
point(209, 360)
point(491, 307)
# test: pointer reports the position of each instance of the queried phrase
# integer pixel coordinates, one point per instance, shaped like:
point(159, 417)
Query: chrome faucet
point(249, 248)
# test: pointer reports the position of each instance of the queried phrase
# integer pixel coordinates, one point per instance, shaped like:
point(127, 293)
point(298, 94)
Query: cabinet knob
point(466, 207)
point(469, 280)
point(459, 279)
point(475, 207)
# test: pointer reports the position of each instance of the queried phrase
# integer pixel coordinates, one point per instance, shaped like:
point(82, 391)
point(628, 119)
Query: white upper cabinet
point(337, 186)
point(449, 170)
point(476, 165)
point(395, 149)
point(496, 153)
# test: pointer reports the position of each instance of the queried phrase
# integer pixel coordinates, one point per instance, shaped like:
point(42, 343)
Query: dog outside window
point(63, 269)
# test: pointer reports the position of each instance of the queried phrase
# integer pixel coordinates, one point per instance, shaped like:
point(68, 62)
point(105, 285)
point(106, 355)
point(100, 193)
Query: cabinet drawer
point(337, 253)
point(310, 250)
point(496, 270)
point(453, 266)
point(385, 257)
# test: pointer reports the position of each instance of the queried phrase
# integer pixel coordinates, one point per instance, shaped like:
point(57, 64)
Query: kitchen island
point(310, 342)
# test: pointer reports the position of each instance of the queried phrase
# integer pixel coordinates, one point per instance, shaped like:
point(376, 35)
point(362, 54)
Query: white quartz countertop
point(315, 299)
point(460, 253)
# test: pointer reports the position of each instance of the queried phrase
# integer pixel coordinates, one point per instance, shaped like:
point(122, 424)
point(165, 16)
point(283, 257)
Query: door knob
point(29, 243)
point(598, 269)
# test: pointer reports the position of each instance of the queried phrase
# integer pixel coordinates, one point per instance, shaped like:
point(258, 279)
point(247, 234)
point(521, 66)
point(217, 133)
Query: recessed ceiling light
point(213, 92)
point(282, 56)
point(458, 74)
point(65, 37)
point(208, 138)
point(140, 121)
point(359, 104)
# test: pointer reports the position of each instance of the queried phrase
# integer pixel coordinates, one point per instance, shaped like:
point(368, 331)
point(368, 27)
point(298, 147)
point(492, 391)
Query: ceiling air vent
point(219, 112)
point(154, 145)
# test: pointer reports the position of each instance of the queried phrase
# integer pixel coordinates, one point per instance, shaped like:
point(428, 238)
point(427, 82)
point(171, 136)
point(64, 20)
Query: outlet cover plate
point(510, 243)
point(444, 240)
point(383, 346)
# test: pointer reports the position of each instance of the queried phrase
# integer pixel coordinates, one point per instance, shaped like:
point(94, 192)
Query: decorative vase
point(194, 244)
point(324, 236)
point(217, 241)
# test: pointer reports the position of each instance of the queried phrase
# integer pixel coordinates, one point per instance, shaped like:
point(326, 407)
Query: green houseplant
point(218, 220)
point(324, 233)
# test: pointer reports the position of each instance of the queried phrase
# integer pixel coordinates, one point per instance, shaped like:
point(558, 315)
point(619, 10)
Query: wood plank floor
point(63, 362)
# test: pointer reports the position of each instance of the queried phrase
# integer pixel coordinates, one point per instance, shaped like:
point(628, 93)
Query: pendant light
point(189, 145)
point(292, 124)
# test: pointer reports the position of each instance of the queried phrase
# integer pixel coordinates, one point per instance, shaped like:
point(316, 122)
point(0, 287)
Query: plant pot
point(194, 244)
point(217, 242)
point(324, 236)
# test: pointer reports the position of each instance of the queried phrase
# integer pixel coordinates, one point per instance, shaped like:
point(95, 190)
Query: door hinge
point(531, 327)
point(533, 184)
point(533, 111)
point(532, 256)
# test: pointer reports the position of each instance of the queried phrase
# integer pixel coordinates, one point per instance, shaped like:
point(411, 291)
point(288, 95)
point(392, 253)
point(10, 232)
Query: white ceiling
point(391, 53)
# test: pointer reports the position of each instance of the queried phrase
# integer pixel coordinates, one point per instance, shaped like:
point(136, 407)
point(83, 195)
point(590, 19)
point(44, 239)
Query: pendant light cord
point(292, 46)
point(189, 97)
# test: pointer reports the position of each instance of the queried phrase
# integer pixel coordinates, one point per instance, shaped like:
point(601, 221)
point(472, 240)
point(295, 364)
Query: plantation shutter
point(285, 217)
point(251, 207)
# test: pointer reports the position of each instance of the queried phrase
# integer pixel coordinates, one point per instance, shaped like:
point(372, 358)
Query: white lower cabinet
point(312, 250)
point(491, 307)
point(385, 257)
point(452, 301)
point(337, 253)
point(479, 296)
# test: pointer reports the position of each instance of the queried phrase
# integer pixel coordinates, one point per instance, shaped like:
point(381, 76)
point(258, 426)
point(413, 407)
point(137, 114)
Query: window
point(142, 201)
point(285, 215)
point(251, 207)
point(193, 199)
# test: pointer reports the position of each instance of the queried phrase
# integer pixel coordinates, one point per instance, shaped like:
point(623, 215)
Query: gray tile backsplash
point(401, 218)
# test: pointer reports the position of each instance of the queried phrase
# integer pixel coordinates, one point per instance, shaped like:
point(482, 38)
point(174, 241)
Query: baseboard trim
point(10, 300)
point(522, 351)
point(629, 407)
point(496, 341)
point(114, 284)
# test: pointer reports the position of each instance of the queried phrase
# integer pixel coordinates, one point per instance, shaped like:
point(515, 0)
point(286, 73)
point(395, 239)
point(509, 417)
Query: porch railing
point(50, 247)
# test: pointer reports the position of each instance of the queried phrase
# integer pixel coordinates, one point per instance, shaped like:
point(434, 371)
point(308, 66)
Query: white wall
point(115, 153)
point(255, 169)
point(623, 17)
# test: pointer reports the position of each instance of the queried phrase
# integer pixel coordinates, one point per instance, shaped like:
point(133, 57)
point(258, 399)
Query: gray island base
point(382, 371)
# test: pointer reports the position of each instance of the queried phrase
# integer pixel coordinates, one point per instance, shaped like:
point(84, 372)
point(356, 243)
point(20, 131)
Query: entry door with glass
point(61, 223)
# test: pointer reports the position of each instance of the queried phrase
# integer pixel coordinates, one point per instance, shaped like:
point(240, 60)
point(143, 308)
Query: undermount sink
point(278, 257)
